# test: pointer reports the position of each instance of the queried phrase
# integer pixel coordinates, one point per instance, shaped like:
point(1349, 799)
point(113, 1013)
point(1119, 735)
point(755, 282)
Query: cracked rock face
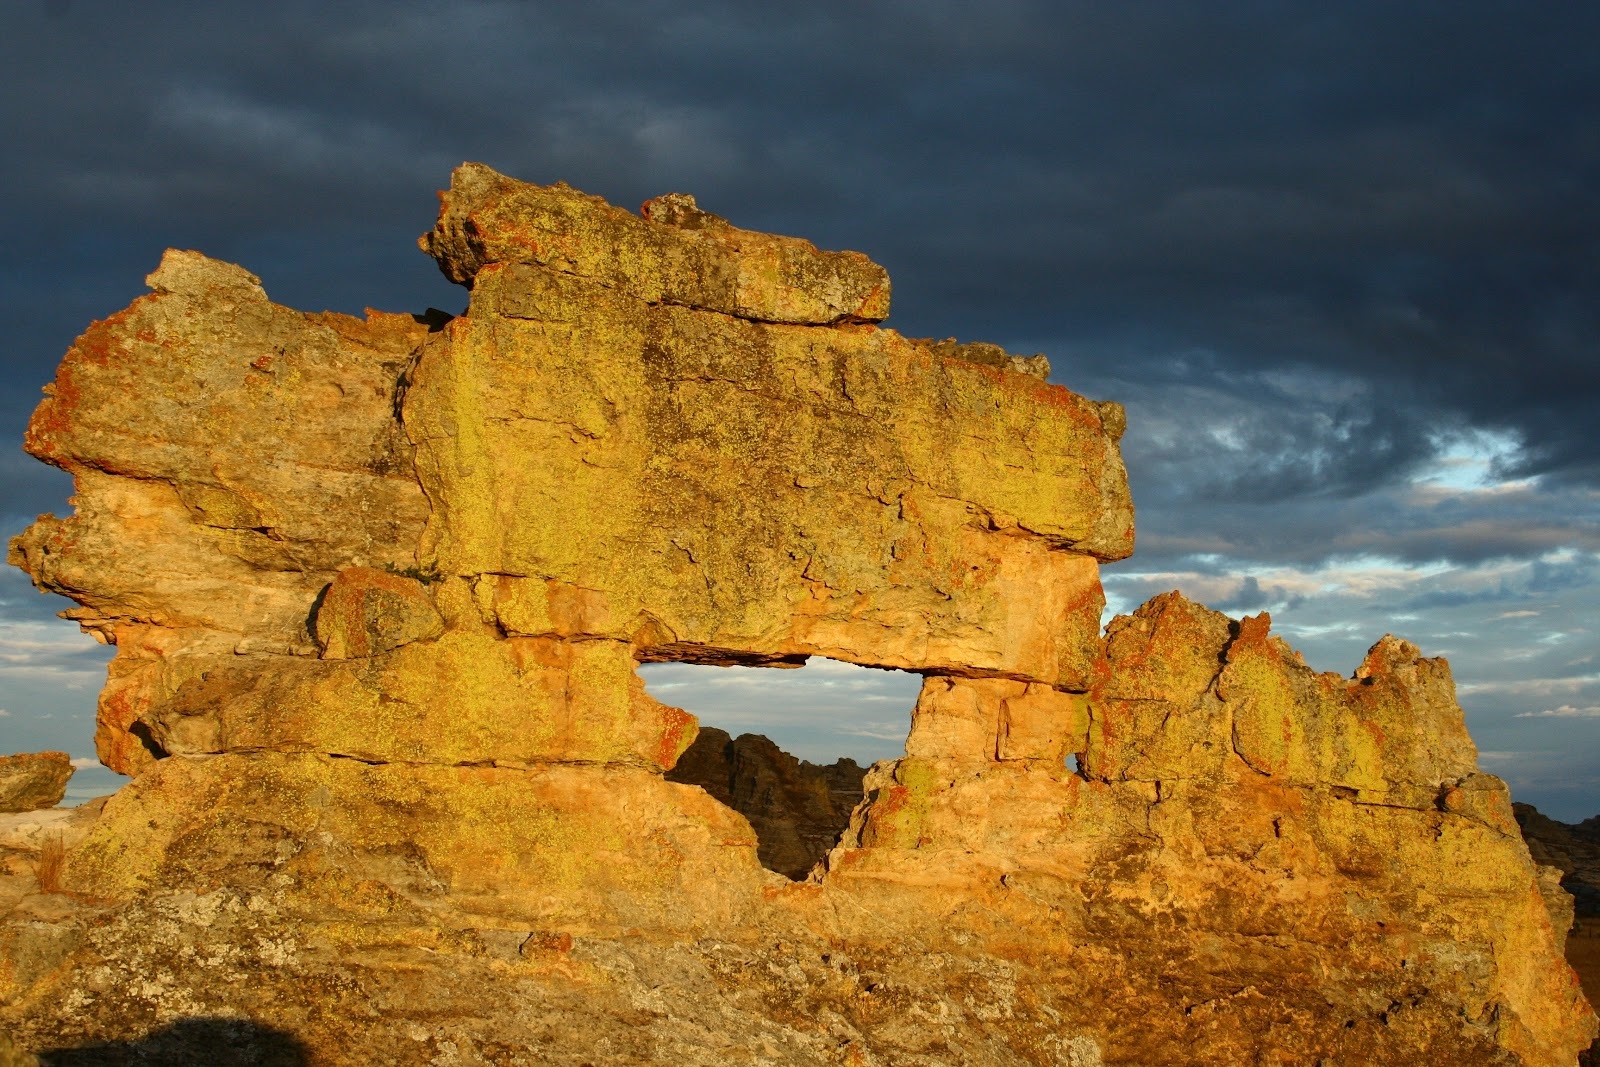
point(378, 589)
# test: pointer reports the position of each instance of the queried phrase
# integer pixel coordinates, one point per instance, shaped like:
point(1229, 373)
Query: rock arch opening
point(788, 749)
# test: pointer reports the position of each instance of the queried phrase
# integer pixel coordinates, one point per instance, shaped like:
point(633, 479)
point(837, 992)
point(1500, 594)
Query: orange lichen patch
point(365, 612)
point(678, 733)
point(886, 806)
point(1255, 629)
point(543, 942)
point(124, 699)
point(874, 307)
point(101, 345)
point(1058, 397)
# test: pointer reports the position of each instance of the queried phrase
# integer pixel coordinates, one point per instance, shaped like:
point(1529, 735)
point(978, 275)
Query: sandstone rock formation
point(378, 588)
point(33, 780)
point(797, 809)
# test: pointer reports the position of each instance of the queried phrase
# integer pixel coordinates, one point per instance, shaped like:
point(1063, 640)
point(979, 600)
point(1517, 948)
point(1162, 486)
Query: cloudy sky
point(1339, 260)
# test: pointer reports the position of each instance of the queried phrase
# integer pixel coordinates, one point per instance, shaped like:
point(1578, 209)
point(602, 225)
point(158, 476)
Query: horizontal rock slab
point(672, 253)
point(591, 849)
point(465, 698)
point(699, 482)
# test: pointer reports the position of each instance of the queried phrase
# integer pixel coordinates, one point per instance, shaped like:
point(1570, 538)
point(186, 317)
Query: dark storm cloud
point(1391, 202)
point(1399, 525)
point(1396, 192)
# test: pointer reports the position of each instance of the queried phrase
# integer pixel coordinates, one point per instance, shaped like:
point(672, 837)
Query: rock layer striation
point(378, 588)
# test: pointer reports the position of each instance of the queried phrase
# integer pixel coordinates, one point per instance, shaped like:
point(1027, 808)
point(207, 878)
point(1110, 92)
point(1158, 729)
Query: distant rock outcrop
point(797, 809)
point(33, 780)
point(378, 589)
point(1574, 849)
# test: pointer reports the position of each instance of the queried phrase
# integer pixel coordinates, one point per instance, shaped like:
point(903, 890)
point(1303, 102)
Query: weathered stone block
point(582, 847)
point(890, 507)
point(673, 253)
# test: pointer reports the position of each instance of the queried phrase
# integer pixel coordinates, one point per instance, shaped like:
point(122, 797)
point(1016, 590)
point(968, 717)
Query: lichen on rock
point(378, 588)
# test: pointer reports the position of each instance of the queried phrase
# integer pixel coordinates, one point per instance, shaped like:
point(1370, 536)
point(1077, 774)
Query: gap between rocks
point(753, 718)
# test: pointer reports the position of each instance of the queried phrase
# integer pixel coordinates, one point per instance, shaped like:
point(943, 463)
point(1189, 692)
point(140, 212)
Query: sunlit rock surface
point(378, 589)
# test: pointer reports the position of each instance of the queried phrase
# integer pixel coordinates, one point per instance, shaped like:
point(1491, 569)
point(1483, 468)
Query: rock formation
point(797, 809)
point(378, 587)
point(33, 780)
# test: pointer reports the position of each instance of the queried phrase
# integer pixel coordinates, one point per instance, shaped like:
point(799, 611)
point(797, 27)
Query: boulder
point(33, 780)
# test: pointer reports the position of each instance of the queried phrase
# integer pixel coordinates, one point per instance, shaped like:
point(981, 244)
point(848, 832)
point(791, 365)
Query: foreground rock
point(33, 780)
point(378, 590)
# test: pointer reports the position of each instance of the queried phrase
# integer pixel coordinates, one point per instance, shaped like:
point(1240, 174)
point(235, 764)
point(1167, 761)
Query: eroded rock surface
point(379, 587)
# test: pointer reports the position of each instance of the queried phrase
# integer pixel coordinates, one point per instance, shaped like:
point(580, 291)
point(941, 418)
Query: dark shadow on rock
point(797, 809)
point(191, 1043)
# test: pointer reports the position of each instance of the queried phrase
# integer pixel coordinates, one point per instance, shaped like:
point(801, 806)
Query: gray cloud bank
point(1339, 262)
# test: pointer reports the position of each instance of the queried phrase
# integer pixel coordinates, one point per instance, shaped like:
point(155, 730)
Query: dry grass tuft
point(52, 857)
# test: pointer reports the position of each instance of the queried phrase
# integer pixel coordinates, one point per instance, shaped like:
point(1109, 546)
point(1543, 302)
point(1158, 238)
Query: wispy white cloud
point(53, 652)
point(1565, 711)
point(85, 761)
point(1530, 687)
point(823, 711)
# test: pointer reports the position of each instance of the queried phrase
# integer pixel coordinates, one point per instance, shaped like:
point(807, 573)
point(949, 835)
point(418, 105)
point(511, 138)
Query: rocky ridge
point(797, 809)
point(378, 587)
point(1573, 849)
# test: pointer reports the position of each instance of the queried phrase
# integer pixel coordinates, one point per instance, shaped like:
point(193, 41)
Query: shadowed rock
point(797, 809)
point(1573, 849)
point(191, 1043)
